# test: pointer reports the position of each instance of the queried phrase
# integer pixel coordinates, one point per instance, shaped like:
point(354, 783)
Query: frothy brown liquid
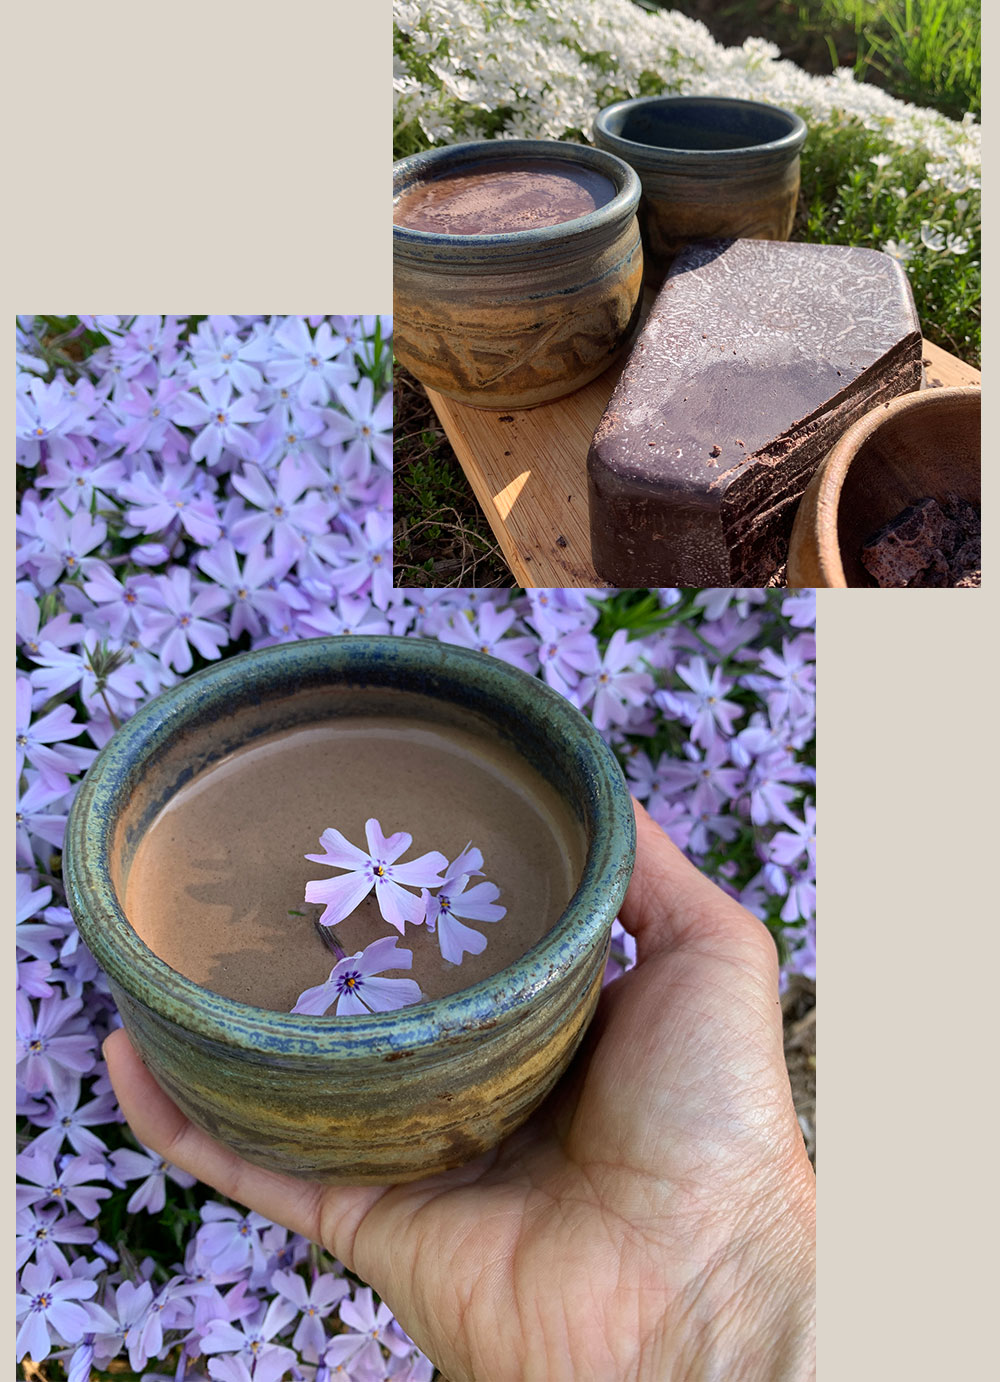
point(491, 200)
point(218, 872)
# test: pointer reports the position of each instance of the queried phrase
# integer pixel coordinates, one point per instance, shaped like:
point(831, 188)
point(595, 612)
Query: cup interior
point(701, 125)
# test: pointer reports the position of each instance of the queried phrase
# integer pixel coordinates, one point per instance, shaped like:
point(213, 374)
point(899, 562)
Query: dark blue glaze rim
point(358, 661)
point(767, 152)
point(603, 221)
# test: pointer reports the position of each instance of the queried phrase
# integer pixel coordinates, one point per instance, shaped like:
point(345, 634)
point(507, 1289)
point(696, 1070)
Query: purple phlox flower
point(364, 429)
point(727, 635)
point(716, 602)
point(561, 611)
point(148, 347)
point(251, 1340)
point(315, 1303)
point(33, 978)
point(365, 552)
point(616, 686)
point(787, 681)
point(78, 478)
point(351, 615)
point(66, 1185)
point(706, 827)
point(46, 410)
point(64, 1119)
point(369, 1328)
point(283, 513)
point(122, 604)
point(40, 817)
point(177, 495)
point(180, 615)
point(416, 1368)
point(566, 657)
point(250, 590)
point(49, 1309)
point(772, 771)
point(151, 428)
point(57, 671)
point(377, 869)
point(788, 846)
point(230, 1239)
point(65, 540)
point(34, 740)
point(451, 901)
point(222, 418)
point(61, 631)
point(217, 351)
point(50, 1044)
point(39, 1233)
point(711, 785)
point(151, 1195)
point(311, 365)
point(621, 956)
point(31, 901)
point(134, 1320)
point(704, 707)
point(104, 325)
point(486, 633)
point(799, 608)
point(354, 987)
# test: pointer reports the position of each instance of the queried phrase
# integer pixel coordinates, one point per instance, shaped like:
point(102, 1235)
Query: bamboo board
point(528, 470)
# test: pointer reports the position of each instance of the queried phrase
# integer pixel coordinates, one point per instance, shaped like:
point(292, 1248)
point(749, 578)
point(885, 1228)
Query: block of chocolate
point(756, 356)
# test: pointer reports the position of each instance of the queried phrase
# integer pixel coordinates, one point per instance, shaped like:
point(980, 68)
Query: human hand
point(653, 1219)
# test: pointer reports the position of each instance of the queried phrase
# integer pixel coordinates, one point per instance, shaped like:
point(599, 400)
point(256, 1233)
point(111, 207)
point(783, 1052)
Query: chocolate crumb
point(506, 417)
point(716, 451)
point(561, 541)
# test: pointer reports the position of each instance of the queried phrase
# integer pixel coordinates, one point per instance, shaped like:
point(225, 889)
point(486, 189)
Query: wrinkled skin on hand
point(654, 1219)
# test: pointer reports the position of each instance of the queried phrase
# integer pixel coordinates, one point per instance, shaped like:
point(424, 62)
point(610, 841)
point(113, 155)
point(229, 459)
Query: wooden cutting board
point(528, 470)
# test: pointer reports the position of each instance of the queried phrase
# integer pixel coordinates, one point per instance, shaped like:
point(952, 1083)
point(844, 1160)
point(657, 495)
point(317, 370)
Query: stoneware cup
point(516, 319)
point(710, 167)
point(924, 445)
point(381, 1097)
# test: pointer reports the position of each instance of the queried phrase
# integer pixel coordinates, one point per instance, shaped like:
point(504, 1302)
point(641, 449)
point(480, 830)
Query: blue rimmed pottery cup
point(382, 1097)
point(710, 166)
point(520, 318)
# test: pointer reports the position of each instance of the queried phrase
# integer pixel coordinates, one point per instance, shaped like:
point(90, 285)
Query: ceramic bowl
point(382, 1097)
point(710, 166)
point(920, 445)
point(516, 319)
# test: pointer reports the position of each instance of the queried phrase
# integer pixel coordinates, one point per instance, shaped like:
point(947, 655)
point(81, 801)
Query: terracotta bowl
point(381, 1097)
point(515, 319)
point(711, 167)
point(920, 445)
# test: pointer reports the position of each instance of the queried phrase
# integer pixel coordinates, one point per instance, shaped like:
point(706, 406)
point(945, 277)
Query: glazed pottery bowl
point(920, 445)
point(710, 166)
point(514, 319)
point(381, 1097)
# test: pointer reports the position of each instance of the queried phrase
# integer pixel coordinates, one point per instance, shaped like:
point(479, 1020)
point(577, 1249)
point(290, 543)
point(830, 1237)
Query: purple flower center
point(347, 983)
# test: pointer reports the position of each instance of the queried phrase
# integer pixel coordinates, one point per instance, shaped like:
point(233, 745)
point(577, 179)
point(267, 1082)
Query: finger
point(324, 1214)
point(670, 904)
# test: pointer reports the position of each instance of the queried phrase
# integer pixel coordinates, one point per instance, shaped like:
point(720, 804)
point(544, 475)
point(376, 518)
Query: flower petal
point(340, 895)
point(340, 853)
point(387, 849)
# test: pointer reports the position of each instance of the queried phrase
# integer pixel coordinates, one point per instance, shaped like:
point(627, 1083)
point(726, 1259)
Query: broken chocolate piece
point(929, 544)
point(822, 333)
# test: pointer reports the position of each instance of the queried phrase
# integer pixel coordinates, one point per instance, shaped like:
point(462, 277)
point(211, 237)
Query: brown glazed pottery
point(710, 167)
point(381, 1097)
point(517, 318)
point(920, 445)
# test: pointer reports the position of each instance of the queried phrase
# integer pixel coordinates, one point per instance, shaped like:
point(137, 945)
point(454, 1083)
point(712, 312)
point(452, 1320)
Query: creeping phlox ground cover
point(876, 171)
point(189, 488)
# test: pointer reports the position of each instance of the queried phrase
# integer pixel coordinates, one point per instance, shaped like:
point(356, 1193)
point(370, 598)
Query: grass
point(924, 51)
point(440, 536)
